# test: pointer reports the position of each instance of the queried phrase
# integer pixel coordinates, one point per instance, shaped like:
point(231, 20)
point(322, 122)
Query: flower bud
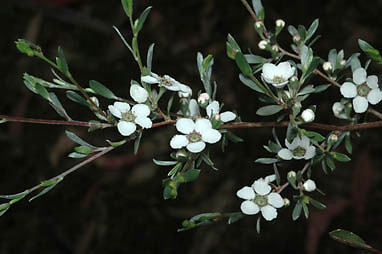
point(333, 138)
point(263, 44)
point(280, 23)
point(203, 99)
point(95, 100)
point(296, 38)
point(259, 24)
point(292, 174)
point(342, 62)
point(339, 110)
point(327, 66)
point(308, 115)
point(275, 48)
point(309, 185)
point(286, 202)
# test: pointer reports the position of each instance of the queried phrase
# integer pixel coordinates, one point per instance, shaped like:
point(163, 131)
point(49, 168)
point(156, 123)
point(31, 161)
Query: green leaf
point(208, 161)
point(267, 160)
point(306, 210)
point(341, 157)
point(28, 48)
point(259, 9)
point(164, 163)
point(248, 82)
point(370, 51)
point(78, 140)
point(329, 161)
point(83, 149)
point(317, 204)
point(348, 144)
point(175, 169)
point(258, 225)
point(73, 96)
point(61, 62)
point(313, 135)
point(100, 89)
point(142, 18)
point(321, 88)
point(254, 59)
point(235, 217)
point(45, 190)
point(242, 63)
point(124, 40)
point(297, 210)
point(307, 90)
point(75, 155)
point(349, 238)
point(277, 174)
point(312, 29)
point(56, 104)
point(233, 43)
point(15, 196)
point(191, 175)
point(42, 91)
point(137, 143)
point(269, 110)
point(150, 53)
point(292, 132)
point(128, 7)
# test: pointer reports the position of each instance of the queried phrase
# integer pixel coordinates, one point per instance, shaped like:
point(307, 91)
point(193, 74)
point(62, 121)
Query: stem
point(281, 188)
point(53, 122)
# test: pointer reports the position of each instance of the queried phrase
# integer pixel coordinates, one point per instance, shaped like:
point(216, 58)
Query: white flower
point(259, 197)
point(300, 148)
point(309, 185)
point(277, 75)
point(327, 66)
point(193, 108)
point(129, 118)
point(213, 111)
point(263, 44)
point(308, 115)
point(196, 134)
point(166, 81)
point(280, 23)
point(364, 90)
point(138, 93)
point(203, 99)
point(339, 110)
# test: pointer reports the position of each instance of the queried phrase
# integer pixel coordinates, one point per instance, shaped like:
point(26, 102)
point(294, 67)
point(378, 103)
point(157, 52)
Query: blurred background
point(115, 205)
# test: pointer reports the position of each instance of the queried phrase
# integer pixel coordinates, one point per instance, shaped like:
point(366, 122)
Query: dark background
point(115, 205)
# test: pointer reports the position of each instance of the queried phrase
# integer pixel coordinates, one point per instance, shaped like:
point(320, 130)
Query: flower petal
point(178, 141)
point(261, 187)
point(126, 128)
point(359, 76)
point(249, 208)
point(285, 154)
point(213, 108)
point(269, 71)
point(114, 111)
point(122, 106)
point(202, 125)
point(269, 213)
point(360, 104)
point(295, 143)
point(246, 193)
point(196, 147)
point(304, 142)
point(193, 107)
point(141, 110)
point(270, 178)
point(185, 125)
point(138, 93)
point(372, 81)
point(144, 122)
point(374, 96)
point(275, 200)
point(310, 153)
point(227, 116)
point(184, 88)
point(348, 90)
point(284, 69)
point(211, 136)
point(149, 80)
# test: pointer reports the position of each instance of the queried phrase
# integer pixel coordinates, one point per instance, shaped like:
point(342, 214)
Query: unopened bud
point(308, 115)
point(309, 185)
point(342, 62)
point(296, 38)
point(333, 138)
point(286, 202)
point(203, 99)
point(258, 24)
point(327, 66)
point(263, 44)
point(275, 48)
point(95, 100)
point(292, 174)
point(280, 23)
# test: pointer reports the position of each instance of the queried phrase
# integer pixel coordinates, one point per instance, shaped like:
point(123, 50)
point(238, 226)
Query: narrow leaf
point(100, 89)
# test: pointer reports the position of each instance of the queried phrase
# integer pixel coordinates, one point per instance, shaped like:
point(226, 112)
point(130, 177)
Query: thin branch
point(53, 122)
point(251, 12)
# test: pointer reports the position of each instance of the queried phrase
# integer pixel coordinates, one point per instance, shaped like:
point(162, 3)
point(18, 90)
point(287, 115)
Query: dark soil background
point(115, 205)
